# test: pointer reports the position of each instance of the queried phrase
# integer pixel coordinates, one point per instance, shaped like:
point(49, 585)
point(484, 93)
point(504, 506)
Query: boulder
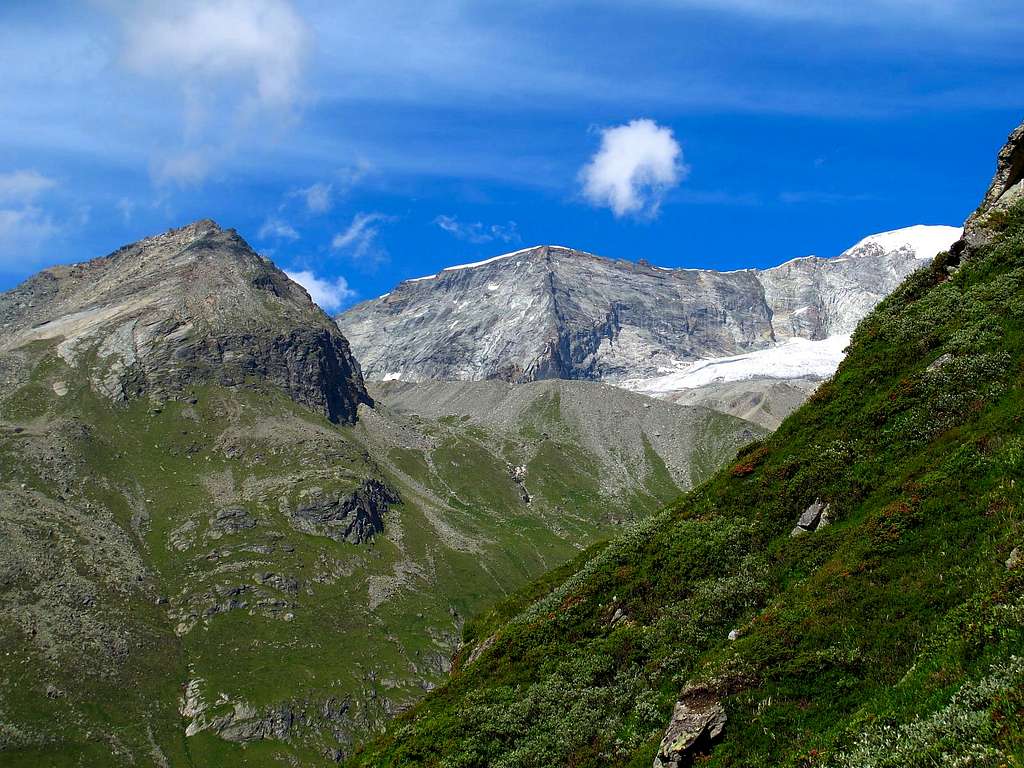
point(697, 720)
point(816, 516)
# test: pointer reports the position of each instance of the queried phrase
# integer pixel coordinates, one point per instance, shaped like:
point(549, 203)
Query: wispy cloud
point(634, 167)
point(277, 229)
point(360, 240)
point(23, 186)
point(331, 295)
point(318, 197)
point(24, 226)
point(478, 232)
point(228, 59)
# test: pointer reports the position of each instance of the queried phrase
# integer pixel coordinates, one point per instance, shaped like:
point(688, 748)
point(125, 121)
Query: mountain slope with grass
point(217, 549)
point(848, 592)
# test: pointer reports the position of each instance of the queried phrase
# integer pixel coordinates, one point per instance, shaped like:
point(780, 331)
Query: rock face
point(192, 306)
point(1007, 186)
point(355, 517)
point(553, 312)
point(697, 720)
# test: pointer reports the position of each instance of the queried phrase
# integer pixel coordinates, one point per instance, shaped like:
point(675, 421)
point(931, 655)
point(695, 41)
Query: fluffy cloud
point(274, 228)
point(478, 232)
point(330, 295)
point(360, 239)
point(634, 167)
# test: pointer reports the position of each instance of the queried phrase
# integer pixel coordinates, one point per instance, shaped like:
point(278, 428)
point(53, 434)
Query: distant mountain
point(191, 306)
point(554, 312)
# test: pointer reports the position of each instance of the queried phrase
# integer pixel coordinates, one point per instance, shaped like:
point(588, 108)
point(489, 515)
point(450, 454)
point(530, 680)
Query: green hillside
point(892, 636)
point(170, 596)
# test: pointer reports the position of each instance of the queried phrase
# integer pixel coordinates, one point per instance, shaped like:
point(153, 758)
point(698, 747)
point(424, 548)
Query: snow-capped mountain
point(554, 312)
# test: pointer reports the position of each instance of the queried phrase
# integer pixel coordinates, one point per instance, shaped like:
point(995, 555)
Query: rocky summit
point(191, 306)
point(554, 312)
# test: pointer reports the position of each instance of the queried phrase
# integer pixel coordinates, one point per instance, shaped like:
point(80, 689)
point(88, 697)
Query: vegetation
point(892, 637)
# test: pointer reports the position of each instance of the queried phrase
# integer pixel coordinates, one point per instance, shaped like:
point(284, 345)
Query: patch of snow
point(392, 376)
point(383, 296)
point(926, 241)
point(492, 286)
point(792, 359)
point(802, 310)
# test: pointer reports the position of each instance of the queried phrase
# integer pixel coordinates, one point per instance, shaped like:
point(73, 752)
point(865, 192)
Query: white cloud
point(318, 197)
point(478, 232)
point(262, 43)
point(23, 186)
point(185, 168)
point(23, 231)
point(360, 241)
point(635, 166)
point(237, 65)
point(330, 295)
point(277, 228)
point(24, 226)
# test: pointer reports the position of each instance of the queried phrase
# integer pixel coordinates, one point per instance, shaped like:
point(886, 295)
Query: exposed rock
point(1006, 188)
point(939, 363)
point(553, 312)
point(244, 723)
point(354, 517)
point(816, 516)
point(192, 306)
point(1015, 560)
point(697, 720)
point(231, 520)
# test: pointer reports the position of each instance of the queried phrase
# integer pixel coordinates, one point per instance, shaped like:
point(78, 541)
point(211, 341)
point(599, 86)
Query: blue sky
point(363, 143)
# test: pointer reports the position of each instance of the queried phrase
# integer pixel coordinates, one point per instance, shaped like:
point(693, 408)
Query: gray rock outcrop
point(354, 517)
point(698, 718)
point(817, 515)
point(1006, 188)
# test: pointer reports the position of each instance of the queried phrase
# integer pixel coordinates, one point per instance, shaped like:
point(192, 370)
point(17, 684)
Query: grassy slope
point(891, 637)
point(252, 446)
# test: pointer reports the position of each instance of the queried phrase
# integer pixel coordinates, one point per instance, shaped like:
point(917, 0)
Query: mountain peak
point(189, 306)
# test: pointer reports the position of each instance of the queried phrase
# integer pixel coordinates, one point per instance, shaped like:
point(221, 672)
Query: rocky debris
point(230, 520)
point(354, 517)
point(553, 312)
point(192, 306)
point(939, 363)
point(518, 475)
point(816, 516)
point(244, 723)
point(1006, 188)
point(1015, 560)
point(480, 650)
point(698, 718)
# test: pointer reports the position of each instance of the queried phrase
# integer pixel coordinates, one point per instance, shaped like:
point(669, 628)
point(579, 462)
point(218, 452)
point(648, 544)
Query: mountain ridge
point(554, 312)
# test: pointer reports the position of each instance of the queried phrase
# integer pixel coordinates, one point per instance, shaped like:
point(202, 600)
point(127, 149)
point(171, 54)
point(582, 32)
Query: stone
point(1015, 560)
point(230, 520)
point(817, 515)
point(697, 720)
